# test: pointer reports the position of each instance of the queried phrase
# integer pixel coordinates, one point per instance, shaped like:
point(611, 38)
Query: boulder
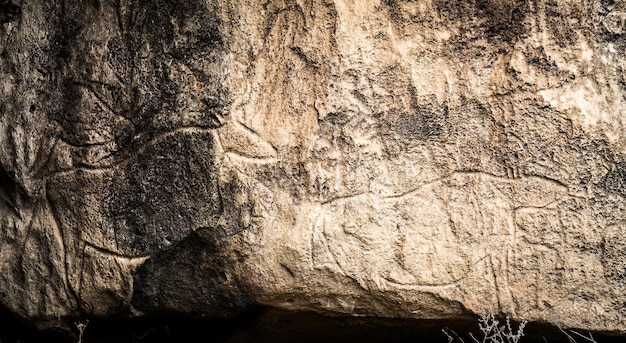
point(394, 159)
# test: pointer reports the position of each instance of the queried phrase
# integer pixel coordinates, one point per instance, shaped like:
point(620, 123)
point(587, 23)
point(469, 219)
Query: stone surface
point(404, 159)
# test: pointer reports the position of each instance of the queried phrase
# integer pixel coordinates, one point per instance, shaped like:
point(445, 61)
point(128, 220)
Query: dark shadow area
point(271, 325)
point(9, 11)
point(15, 330)
point(8, 187)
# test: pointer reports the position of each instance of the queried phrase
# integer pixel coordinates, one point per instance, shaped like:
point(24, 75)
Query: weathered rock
point(408, 159)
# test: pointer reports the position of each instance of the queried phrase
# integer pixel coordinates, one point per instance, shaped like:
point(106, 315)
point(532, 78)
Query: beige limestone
point(414, 159)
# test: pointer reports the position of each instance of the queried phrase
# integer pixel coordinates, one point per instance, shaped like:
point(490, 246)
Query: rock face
point(409, 159)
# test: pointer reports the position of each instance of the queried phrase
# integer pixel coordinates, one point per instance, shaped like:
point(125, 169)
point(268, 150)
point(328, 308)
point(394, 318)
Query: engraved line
point(429, 287)
point(112, 253)
point(342, 198)
point(157, 139)
point(416, 189)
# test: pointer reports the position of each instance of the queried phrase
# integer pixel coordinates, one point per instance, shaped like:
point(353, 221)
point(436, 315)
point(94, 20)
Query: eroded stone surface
point(416, 159)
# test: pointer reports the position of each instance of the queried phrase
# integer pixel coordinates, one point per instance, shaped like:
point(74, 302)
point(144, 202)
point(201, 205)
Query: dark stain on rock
point(9, 11)
point(537, 57)
point(483, 29)
point(564, 27)
point(166, 60)
point(503, 20)
point(425, 121)
point(499, 20)
point(177, 27)
point(611, 26)
point(615, 180)
point(167, 192)
point(173, 282)
point(9, 189)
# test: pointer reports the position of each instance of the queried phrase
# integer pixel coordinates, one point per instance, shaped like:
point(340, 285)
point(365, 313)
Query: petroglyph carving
point(428, 238)
point(149, 154)
point(136, 147)
point(395, 159)
point(239, 140)
point(138, 224)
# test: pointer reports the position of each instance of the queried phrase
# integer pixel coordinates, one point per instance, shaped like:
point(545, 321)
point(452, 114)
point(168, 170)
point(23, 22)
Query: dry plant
point(572, 340)
point(81, 329)
point(492, 331)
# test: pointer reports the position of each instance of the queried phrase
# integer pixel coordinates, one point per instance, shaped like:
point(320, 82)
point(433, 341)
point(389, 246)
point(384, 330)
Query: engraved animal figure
point(148, 129)
point(148, 141)
point(430, 238)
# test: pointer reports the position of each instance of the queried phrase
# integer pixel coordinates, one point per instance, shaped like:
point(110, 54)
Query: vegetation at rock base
point(493, 332)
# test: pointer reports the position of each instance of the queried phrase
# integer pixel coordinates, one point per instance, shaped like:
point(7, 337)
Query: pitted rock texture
point(409, 159)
